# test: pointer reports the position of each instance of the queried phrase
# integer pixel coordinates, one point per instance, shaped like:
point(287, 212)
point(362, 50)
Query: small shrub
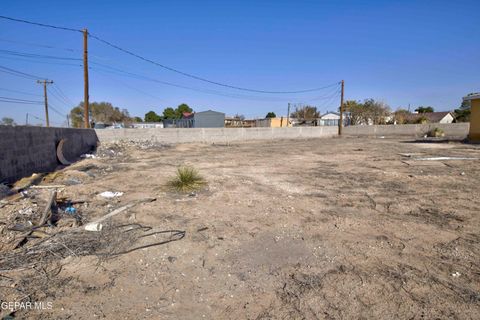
point(186, 179)
point(437, 132)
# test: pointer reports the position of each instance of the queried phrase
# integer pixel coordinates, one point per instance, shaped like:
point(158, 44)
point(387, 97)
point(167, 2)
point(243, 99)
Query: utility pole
point(340, 124)
point(45, 82)
point(26, 120)
point(288, 114)
point(68, 121)
point(85, 78)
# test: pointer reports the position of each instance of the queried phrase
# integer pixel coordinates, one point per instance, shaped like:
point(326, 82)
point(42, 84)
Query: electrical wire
point(38, 45)
point(21, 92)
point(34, 55)
point(124, 73)
point(40, 24)
point(186, 74)
point(204, 79)
point(19, 73)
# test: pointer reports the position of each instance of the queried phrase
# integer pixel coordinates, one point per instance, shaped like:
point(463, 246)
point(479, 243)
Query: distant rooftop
point(472, 96)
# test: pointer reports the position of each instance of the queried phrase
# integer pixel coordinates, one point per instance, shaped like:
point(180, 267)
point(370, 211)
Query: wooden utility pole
point(288, 114)
point(85, 78)
point(45, 82)
point(340, 123)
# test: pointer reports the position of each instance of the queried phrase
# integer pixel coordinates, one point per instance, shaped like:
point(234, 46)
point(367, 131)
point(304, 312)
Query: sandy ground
point(299, 229)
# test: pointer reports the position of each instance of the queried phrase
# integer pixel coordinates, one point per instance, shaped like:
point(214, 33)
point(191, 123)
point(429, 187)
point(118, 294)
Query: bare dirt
point(298, 229)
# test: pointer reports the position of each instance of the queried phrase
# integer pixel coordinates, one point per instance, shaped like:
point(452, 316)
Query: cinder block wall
point(214, 135)
point(26, 150)
point(226, 135)
point(452, 130)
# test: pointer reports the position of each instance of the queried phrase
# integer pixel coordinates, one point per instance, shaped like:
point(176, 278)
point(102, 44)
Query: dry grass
point(186, 179)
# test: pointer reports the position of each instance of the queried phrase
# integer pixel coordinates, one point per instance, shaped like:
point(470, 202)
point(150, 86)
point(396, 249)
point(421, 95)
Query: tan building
point(273, 122)
point(474, 134)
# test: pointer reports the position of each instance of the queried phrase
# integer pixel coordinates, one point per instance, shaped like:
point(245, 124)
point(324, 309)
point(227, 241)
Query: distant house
point(137, 125)
point(203, 119)
point(235, 122)
point(280, 122)
point(329, 119)
point(430, 117)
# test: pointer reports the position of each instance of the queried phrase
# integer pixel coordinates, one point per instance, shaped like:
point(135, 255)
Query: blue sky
point(400, 52)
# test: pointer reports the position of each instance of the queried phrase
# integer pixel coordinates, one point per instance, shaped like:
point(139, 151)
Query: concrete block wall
point(25, 150)
point(452, 130)
point(214, 135)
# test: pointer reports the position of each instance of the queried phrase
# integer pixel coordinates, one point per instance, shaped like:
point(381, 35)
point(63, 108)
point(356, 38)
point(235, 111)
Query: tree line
point(105, 112)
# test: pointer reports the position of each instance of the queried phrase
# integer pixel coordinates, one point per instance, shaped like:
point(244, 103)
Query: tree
point(271, 115)
point(422, 109)
point(181, 109)
point(368, 112)
point(137, 119)
point(7, 121)
point(462, 114)
point(305, 113)
point(169, 113)
point(401, 116)
point(152, 116)
point(377, 111)
point(355, 111)
point(103, 112)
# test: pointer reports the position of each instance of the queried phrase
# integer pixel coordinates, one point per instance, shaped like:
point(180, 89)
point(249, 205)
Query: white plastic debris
point(94, 226)
point(445, 158)
point(456, 274)
point(88, 156)
point(110, 194)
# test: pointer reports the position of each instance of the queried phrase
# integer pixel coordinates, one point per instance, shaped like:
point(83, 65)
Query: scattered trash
point(110, 194)
point(192, 194)
point(462, 174)
point(88, 156)
point(94, 227)
point(72, 182)
point(382, 137)
point(97, 226)
point(70, 210)
point(456, 274)
point(445, 158)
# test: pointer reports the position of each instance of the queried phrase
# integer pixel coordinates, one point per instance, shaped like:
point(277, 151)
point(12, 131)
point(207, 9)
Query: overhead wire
point(19, 73)
point(21, 92)
point(186, 74)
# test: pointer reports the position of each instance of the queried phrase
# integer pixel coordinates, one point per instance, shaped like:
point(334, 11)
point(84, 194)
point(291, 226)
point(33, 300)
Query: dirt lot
point(299, 229)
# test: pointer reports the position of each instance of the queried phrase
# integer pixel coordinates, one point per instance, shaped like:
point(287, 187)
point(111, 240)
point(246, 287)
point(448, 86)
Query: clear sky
point(401, 52)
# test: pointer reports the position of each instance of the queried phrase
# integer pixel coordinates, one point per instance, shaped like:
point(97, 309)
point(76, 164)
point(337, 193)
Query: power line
point(204, 79)
point(21, 92)
point(40, 24)
point(38, 45)
point(34, 55)
point(117, 71)
point(18, 73)
point(57, 88)
point(165, 66)
point(19, 101)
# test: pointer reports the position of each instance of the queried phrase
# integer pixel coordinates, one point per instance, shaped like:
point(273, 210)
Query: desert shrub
point(186, 179)
point(437, 132)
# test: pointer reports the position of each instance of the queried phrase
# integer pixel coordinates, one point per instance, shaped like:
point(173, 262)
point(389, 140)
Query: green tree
point(169, 113)
point(305, 113)
point(462, 114)
point(137, 119)
point(7, 121)
point(401, 116)
point(422, 109)
point(152, 116)
point(271, 115)
point(181, 109)
point(103, 112)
